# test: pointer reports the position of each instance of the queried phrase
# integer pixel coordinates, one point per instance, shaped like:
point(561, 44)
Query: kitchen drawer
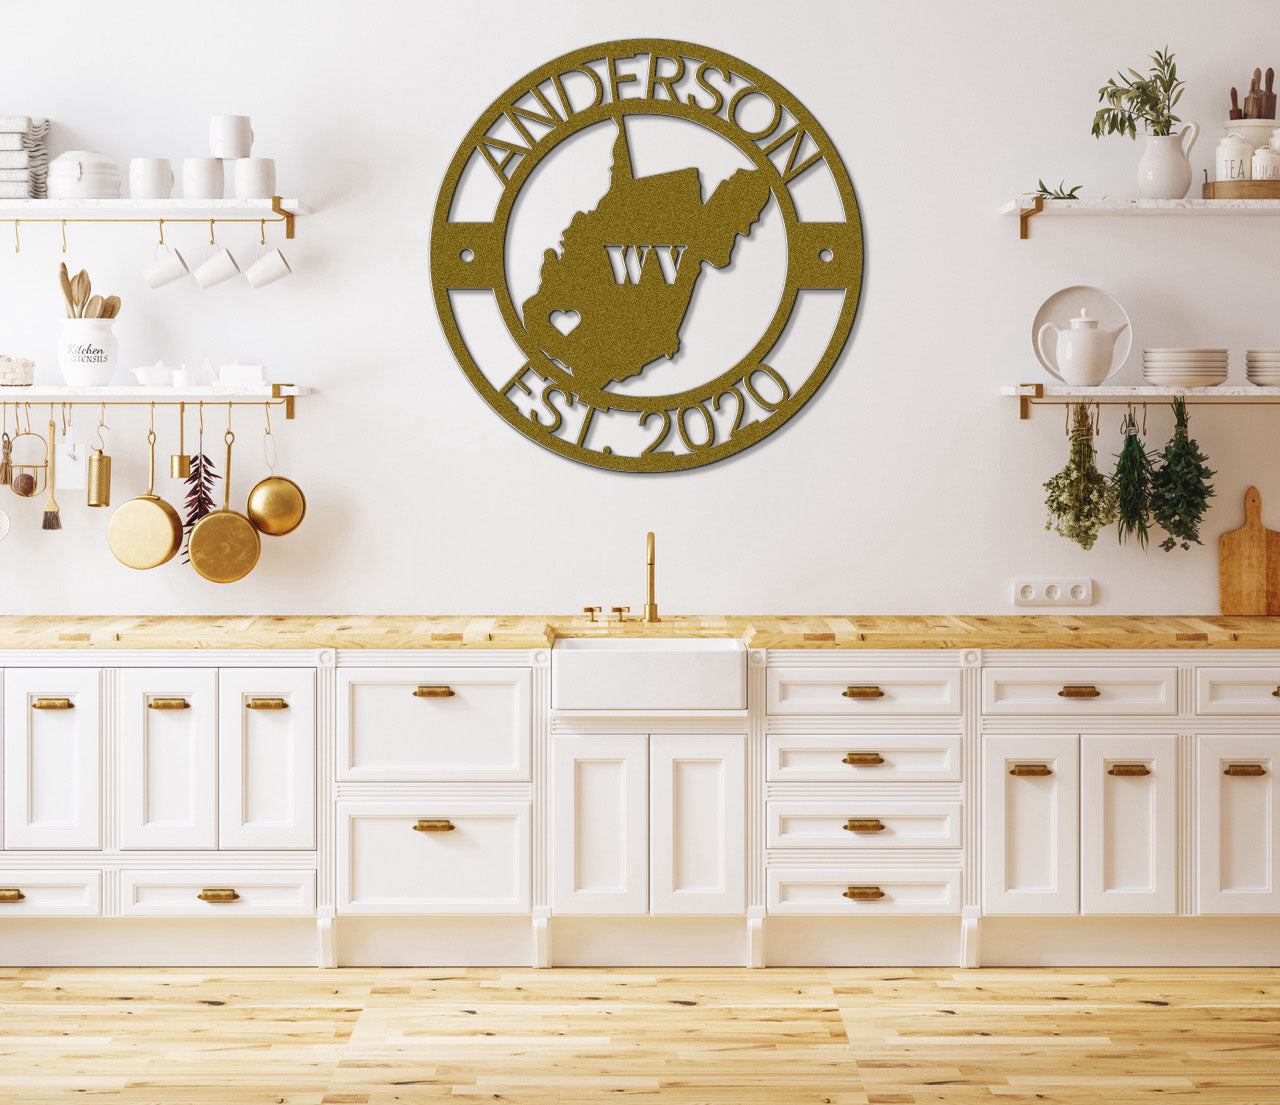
point(863, 692)
point(1238, 691)
point(1079, 692)
point(225, 893)
point(861, 823)
point(863, 758)
point(479, 865)
point(890, 890)
point(434, 724)
point(50, 894)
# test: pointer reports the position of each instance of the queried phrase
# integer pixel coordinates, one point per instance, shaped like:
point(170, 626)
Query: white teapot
point(1082, 355)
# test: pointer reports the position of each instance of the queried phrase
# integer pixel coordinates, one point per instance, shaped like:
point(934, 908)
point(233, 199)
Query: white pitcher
point(1164, 173)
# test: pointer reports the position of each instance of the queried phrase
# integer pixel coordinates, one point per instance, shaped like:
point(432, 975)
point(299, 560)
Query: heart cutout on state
point(564, 321)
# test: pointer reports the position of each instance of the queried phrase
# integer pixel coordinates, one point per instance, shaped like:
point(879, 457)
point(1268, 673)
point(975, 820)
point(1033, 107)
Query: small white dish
point(154, 376)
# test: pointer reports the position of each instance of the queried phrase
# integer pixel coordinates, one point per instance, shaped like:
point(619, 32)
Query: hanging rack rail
point(275, 395)
point(1054, 395)
point(277, 210)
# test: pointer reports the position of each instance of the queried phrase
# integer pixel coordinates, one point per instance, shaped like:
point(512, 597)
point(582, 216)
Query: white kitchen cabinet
point(863, 889)
point(50, 893)
point(863, 691)
point(1031, 825)
point(697, 845)
point(217, 893)
point(52, 758)
point(1079, 691)
point(168, 757)
point(267, 752)
point(1128, 824)
point(863, 758)
point(600, 824)
point(861, 823)
point(1238, 824)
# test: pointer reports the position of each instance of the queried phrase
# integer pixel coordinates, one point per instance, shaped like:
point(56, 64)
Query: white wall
point(906, 485)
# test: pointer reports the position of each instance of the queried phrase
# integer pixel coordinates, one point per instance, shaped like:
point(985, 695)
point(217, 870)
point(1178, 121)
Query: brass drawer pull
point(1248, 770)
point(1128, 770)
point(11, 894)
point(1031, 771)
point(266, 704)
point(1276, 693)
point(218, 894)
point(864, 893)
point(864, 825)
point(168, 704)
point(53, 704)
point(1079, 690)
point(433, 692)
point(434, 825)
point(870, 691)
point(863, 759)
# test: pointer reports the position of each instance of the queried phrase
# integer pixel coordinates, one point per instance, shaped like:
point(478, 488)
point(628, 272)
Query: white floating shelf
point(277, 209)
point(1036, 395)
point(1028, 207)
point(136, 395)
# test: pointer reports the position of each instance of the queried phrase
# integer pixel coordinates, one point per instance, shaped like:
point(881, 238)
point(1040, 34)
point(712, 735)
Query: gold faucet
point(650, 604)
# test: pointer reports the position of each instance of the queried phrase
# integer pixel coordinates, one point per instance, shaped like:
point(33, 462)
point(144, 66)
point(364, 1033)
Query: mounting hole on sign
point(825, 255)
point(468, 254)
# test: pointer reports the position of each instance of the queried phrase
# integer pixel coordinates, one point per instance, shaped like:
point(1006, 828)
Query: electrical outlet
point(1053, 591)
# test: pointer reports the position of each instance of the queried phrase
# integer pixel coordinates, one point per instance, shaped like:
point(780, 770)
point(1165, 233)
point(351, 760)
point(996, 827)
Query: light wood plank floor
point(688, 1037)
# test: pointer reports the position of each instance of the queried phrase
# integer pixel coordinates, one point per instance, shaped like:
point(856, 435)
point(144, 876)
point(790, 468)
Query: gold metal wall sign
point(612, 299)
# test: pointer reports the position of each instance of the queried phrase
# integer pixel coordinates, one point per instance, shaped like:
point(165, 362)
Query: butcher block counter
point(537, 631)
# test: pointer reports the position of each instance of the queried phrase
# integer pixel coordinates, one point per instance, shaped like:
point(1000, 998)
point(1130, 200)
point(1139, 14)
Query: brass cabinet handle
point(1079, 690)
point(1248, 770)
point(1127, 770)
point(434, 825)
point(864, 893)
point(1276, 693)
point(869, 691)
point(11, 894)
point(266, 704)
point(53, 704)
point(433, 692)
point(218, 894)
point(1033, 771)
point(168, 704)
point(864, 825)
point(862, 759)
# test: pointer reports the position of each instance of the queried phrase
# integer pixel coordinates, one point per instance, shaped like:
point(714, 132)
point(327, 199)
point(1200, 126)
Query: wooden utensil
point(145, 532)
point(1249, 564)
point(93, 309)
point(64, 279)
point(224, 546)
point(1269, 96)
point(1253, 101)
point(110, 307)
point(80, 289)
point(52, 516)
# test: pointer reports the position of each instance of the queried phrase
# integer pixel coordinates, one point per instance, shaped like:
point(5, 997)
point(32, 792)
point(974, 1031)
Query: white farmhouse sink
point(648, 673)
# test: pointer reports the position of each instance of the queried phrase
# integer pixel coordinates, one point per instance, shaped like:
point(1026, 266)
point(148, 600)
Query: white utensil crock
point(1164, 173)
point(87, 351)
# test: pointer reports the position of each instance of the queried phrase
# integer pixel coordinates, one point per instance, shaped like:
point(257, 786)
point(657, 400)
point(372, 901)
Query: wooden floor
point(712, 1037)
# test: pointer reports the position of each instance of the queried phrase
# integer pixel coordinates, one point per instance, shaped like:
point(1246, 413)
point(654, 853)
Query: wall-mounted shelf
point(275, 210)
point(281, 395)
point(1028, 207)
point(1058, 395)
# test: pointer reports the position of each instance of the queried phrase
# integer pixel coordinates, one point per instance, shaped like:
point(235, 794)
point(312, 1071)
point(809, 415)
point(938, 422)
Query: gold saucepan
point(145, 532)
point(223, 545)
point(276, 505)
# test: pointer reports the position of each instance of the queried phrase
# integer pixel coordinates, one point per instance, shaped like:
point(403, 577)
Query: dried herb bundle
point(1181, 489)
point(199, 501)
point(1080, 501)
point(1132, 481)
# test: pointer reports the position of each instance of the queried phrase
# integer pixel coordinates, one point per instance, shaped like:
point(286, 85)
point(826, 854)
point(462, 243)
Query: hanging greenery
point(1132, 481)
point(1080, 500)
point(1181, 489)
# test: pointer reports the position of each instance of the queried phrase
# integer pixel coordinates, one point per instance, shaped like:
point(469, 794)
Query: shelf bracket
point(276, 393)
point(1026, 393)
point(287, 216)
point(1025, 215)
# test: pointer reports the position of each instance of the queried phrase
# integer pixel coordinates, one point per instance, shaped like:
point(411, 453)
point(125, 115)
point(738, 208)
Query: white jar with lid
point(1266, 164)
point(1234, 157)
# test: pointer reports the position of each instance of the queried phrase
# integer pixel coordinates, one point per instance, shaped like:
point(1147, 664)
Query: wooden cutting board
point(1249, 564)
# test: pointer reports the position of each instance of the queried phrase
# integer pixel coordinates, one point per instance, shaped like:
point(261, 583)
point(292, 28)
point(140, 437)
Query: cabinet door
point(600, 825)
point(1031, 824)
point(52, 758)
point(267, 724)
point(697, 824)
point(168, 758)
point(1128, 824)
point(1238, 828)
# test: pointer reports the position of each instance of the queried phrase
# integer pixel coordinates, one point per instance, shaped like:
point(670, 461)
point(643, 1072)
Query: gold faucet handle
point(620, 610)
point(592, 610)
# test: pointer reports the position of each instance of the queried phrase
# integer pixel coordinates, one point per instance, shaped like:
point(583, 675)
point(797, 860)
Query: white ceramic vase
point(87, 351)
point(1164, 173)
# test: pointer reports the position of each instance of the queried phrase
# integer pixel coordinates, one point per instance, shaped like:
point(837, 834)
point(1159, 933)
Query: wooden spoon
point(110, 307)
point(80, 292)
point(65, 281)
point(93, 309)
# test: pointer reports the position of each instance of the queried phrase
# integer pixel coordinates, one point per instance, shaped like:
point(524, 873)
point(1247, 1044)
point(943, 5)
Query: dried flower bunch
point(1080, 500)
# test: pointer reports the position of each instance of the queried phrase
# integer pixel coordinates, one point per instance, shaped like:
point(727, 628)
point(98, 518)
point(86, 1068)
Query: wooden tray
point(1242, 190)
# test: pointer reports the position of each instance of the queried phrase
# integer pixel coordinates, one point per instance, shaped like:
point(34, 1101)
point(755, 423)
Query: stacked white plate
point(1184, 368)
point(1262, 367)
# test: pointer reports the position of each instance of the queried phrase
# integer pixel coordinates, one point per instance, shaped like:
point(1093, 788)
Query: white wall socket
point(1052, 591)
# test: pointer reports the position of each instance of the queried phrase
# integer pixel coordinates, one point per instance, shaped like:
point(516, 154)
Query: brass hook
point(1097, 419)
point(102, 425)
point(228, 416)
point(1144, 420)
point(67, 420)
point(1066, 419)
point(202, 416)
point(64, 235)
point(27, 412)
point(268, 441)
point(153, 418)
point(262, 232)
point(17, 239)
point(212, 242)
point(160, 224)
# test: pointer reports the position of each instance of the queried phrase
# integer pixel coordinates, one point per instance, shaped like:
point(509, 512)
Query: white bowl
point(154, 375)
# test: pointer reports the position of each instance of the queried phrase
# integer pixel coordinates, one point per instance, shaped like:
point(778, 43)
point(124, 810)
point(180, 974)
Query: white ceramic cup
point(255, 178)
point(150, 178)
point(201, 178)
point(267, 269)
point(216, 268)
point(166, 268)
point(230, 136)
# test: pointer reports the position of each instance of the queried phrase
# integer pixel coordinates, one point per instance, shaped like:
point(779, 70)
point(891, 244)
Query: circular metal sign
point(602, 242)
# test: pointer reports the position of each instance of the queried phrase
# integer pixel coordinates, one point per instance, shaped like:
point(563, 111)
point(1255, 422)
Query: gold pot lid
point(224, 546)
point(276, 506)
point(144, 532)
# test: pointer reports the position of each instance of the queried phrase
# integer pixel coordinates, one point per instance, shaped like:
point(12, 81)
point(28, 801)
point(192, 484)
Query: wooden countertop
point(531, 631)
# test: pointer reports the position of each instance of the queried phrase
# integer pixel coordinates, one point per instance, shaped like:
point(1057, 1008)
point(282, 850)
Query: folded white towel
point(15, 124)
point(14, 159)
point(12, 190)
point(10, 141)
point(10, 175)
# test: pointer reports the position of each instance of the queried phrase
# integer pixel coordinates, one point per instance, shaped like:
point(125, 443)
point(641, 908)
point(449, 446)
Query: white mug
point(255, 178)
point(201, 178)
point(150, 178)
point(166, 269)
point(267, 269)
point(216, 268)
point(230, 136)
